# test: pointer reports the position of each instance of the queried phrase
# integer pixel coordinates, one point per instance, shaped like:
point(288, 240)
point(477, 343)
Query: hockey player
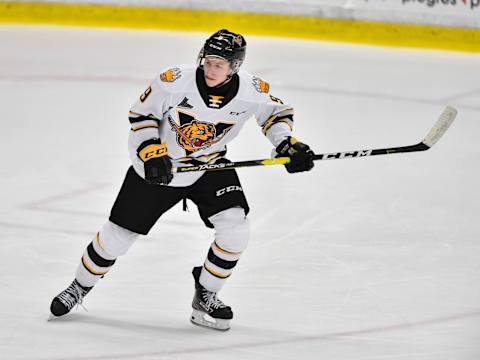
point(187, 116)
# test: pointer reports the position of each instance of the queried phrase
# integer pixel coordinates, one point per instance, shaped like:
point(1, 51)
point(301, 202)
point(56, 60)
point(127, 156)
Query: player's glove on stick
point(158, 167)
point(301, 157)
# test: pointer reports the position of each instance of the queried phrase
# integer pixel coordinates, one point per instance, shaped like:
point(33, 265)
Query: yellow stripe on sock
point(217, 274)
point(90, 269)
point(219, 249)
point(97, 238)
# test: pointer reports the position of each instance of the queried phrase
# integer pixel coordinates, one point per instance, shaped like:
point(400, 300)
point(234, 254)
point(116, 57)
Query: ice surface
point(375, 258)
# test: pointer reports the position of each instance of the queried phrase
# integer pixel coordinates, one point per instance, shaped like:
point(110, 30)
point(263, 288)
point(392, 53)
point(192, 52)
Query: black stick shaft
point(285, 160)
point(436, 132)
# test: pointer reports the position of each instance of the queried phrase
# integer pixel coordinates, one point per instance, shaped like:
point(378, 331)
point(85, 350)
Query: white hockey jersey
point(197, 128)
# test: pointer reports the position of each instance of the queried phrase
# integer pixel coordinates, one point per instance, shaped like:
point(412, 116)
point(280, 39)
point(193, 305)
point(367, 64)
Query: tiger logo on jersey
point(194, 135)
point(197, 135)
point(171, 75)
point(260, 85)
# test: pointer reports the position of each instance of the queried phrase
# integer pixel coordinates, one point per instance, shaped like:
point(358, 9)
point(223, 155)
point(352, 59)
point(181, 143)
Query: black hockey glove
point(157, 164)
point(301, 157)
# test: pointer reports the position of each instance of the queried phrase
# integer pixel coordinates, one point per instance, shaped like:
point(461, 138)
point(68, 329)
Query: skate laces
point(72, 296)
point(211, 300)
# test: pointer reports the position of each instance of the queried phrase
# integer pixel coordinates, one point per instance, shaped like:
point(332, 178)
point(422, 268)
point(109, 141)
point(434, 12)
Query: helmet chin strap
point(229, 77)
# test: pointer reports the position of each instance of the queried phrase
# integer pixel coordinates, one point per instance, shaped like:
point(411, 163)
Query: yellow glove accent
point(153, 151)
point(293, 140)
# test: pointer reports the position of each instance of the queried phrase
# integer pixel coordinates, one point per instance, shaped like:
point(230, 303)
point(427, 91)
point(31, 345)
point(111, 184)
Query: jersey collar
point(217, 97)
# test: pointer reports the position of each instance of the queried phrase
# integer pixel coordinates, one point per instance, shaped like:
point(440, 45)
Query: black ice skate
point(208, 310)
point(67, 299)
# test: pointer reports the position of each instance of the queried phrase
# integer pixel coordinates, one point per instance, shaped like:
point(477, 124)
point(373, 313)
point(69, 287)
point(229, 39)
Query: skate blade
point(51, 317)
point(204, 320)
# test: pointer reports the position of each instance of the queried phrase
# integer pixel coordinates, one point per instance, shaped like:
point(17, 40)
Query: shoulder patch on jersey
point(171, 75)
point(260, 85)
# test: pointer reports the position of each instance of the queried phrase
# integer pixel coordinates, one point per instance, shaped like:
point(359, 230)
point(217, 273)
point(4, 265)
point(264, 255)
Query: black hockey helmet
point(227, 45)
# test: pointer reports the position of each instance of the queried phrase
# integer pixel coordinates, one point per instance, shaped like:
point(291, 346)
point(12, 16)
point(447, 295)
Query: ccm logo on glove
point(157, 164)
point(228, 189)
point(152, 151)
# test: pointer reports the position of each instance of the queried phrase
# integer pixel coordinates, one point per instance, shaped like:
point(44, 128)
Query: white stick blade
point(441, 126)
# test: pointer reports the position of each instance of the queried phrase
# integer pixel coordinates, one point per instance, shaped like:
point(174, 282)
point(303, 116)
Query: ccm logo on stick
point(347, 154)
point(228, 189)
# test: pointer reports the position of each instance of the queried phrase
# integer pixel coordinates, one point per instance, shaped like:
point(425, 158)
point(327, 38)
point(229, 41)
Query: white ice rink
point(375, 258)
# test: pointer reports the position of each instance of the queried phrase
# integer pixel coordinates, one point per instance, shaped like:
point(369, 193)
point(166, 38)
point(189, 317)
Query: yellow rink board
point(305, 27)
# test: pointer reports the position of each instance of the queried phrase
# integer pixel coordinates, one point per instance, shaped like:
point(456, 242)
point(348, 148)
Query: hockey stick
point(436, 132)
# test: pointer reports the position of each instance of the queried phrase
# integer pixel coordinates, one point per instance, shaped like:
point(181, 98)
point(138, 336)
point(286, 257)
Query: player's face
point(216, 70)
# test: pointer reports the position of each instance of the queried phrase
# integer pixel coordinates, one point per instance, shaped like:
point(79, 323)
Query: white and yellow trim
point(216, 271)
point(97, 240)
point(144, 126)
point(218, 249)
point(273, 120)
point(92, 268)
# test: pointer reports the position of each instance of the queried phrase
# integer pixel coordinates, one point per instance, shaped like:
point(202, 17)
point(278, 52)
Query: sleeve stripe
point(135, 118)
point(140, 127)
point(272, 121)
point(280, 115)
point(289, 111)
